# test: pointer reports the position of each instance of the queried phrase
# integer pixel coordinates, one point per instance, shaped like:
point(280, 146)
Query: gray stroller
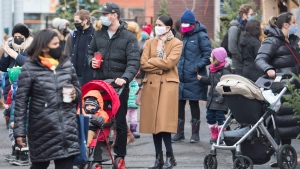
point(256, 138)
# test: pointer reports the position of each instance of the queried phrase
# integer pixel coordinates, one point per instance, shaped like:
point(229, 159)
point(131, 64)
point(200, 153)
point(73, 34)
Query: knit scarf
point(49, 62)
point(23, 46)
point(241, 21)
point(216, 68)
point(160, 49)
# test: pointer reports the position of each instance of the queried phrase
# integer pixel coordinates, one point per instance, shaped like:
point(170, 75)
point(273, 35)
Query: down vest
point(120, 54)
point(52, 124)
point(194, 59)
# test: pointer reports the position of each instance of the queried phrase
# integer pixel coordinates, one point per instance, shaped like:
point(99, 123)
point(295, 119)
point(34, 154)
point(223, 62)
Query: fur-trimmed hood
point(61, 37)
point(131, 26)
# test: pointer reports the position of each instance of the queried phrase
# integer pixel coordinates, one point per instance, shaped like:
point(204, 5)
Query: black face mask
point(65, 31)
point(55, 53)
point(18, 41)
point(78, 26)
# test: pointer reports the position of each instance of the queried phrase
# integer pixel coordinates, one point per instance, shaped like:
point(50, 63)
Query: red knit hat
point(147, 28)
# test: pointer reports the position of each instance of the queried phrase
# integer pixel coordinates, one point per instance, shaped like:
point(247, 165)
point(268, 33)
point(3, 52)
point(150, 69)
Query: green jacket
point(134, 87)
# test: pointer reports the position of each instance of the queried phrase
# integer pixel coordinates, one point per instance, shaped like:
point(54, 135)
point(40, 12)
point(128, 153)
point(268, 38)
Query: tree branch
point(185, 4)
point(194, 5)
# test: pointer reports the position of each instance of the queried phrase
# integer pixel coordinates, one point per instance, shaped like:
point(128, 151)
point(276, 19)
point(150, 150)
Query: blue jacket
point(134, 87)
point(194, 59)
point(80, 44)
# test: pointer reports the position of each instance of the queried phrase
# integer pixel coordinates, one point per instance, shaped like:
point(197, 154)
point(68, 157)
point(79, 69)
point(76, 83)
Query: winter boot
point(130, 137)
point(11, 156)
point(133, 130)
point(213, 133)
point(159, 161)
point(179, 136)
point(23, 159)
point(17, 151)
point(195, 131)
point(170, 160)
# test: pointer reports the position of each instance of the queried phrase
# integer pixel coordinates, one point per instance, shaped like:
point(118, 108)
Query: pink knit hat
point(220, 54)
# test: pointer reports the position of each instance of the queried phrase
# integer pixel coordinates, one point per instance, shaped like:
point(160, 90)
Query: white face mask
point(185, 25)
point(160, 30)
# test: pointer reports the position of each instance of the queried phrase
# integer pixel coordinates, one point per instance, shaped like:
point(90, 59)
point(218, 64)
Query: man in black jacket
point(121, 59)
point(77, 45)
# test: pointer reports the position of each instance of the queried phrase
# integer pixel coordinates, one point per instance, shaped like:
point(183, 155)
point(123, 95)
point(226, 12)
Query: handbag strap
point(292, 53)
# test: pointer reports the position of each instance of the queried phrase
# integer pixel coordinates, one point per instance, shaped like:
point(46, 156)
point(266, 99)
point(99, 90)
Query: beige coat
point(159, 103)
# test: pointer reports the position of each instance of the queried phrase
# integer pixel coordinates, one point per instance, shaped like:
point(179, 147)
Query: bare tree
point(194, 5)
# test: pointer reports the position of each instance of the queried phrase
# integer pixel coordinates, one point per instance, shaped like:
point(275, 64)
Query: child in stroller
point(93, 108)
point(99, 150)
point(257, 138)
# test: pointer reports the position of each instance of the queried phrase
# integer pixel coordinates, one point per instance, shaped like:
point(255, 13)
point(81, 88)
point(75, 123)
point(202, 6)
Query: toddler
point(132, 107)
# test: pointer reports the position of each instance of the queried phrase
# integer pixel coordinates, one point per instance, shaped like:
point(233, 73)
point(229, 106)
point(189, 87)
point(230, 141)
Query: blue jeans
point(213, 116)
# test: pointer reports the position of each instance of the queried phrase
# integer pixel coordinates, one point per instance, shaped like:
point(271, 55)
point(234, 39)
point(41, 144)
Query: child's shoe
point(23, 159)
point(133, 130)
point(213, 133)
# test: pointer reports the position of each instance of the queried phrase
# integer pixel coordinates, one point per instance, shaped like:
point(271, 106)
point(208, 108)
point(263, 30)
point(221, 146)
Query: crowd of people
point(176, 66)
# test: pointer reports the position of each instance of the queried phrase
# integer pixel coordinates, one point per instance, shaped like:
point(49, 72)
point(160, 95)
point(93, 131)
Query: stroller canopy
point(235, 84)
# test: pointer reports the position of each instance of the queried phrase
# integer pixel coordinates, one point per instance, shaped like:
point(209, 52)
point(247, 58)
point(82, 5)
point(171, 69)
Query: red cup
point(98, 57)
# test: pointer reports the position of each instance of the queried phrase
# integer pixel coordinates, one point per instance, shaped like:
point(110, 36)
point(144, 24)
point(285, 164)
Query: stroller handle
point(119, 89)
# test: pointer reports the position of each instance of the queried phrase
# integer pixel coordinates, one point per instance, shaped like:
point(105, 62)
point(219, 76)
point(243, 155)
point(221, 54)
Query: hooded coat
point(194, 59)
point(120, 53)
point(233, 44)
point(159, 102)
point(52, 123)
point(249, 48)
point(274, 54)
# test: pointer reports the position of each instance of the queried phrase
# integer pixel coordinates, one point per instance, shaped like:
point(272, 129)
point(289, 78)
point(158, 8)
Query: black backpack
point(224, 42)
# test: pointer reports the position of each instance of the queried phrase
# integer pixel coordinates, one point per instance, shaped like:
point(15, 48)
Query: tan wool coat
point(159, 102)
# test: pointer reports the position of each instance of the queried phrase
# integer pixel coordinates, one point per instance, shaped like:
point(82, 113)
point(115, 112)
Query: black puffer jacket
point(274, 54)
point(52, 124)
point(121, 57)
point(213, 94)
point(249, 48)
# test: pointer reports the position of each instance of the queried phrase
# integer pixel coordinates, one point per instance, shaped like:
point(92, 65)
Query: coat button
point(161, 82)
point(150, 82)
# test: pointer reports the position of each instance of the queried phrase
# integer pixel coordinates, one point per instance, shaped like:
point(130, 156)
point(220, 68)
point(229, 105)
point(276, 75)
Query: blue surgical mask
point(251, 18)
point(293, 29)
point(144, 35)
point(105, 21)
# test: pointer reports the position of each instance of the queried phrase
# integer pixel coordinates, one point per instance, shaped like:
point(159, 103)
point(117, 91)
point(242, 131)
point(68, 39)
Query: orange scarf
point(49, 62)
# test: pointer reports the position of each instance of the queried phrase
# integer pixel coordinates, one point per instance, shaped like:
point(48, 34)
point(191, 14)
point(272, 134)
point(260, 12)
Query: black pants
point(163, 136)
point(64, 163)
point(121, 138)
point(195, 110)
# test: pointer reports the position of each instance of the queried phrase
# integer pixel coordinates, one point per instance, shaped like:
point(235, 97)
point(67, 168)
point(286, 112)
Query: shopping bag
point(83, 127)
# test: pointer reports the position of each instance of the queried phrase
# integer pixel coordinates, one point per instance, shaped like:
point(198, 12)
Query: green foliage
point(67, 8)
point(163, 8)
point(231, 7)
point(293, 99)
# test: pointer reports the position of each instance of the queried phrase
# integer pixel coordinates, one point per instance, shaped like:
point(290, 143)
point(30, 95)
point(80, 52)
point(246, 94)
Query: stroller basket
point(243, 98)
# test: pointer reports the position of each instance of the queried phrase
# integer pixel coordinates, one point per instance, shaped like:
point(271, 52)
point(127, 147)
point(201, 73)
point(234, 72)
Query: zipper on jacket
point(183, 67)
point(59, 112)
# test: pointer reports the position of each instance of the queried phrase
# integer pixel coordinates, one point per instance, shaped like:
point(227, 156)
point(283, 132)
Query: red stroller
point(99, 149)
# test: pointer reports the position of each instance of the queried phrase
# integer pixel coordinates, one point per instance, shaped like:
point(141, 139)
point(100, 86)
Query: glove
point(97, 121)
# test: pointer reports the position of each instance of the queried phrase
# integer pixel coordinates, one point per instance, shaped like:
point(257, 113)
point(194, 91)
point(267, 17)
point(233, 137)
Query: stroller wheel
point(287, 157)
point(119, 163)
point(96, 166)
point(242, 162)
point(210, 162)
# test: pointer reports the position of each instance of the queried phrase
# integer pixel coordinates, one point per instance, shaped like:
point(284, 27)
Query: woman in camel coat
point(159, 102)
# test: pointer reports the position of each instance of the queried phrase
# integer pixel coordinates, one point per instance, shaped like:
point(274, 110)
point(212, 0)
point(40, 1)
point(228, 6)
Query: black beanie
point(22, 29)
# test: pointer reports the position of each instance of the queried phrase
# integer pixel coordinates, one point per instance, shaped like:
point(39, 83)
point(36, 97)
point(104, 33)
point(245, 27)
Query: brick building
point(205, 11)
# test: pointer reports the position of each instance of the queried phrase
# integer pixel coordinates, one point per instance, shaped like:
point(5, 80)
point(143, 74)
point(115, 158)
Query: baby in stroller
point(93, 108)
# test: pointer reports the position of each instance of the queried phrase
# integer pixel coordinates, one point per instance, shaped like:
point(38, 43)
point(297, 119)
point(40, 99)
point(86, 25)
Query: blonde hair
point(215, 61)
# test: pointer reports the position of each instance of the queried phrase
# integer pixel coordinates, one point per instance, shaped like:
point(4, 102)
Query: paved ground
point(141, 152)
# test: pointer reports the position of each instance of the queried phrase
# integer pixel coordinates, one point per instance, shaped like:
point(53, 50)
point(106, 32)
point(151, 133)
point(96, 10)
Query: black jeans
point(121, 138)
point(195, 109)
point(64, 163)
